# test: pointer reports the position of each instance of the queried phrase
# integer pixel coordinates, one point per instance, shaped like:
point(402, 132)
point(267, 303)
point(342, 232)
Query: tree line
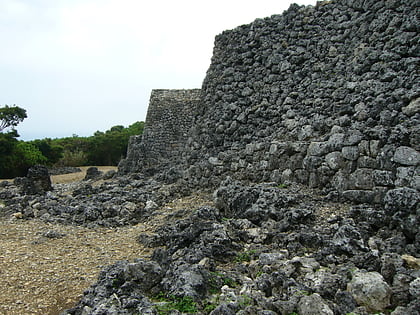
point(17, 156)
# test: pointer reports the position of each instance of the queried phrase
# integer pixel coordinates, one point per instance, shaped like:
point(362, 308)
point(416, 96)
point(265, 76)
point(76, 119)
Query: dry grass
point(73, 177)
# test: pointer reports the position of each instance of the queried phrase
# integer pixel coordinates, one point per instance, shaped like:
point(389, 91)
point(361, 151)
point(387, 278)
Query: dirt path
point(41, 275)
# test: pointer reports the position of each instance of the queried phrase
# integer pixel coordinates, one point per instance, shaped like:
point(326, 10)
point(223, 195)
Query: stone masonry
point(169, 117)
point(325, 95)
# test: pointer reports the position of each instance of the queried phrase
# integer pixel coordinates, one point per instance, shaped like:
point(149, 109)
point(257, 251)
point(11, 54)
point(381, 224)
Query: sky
point(78, 66)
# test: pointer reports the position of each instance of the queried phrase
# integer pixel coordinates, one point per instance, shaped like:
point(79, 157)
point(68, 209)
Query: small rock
point(18, 215)
point(411, 261)
point(53, 234)
point(415, 288)
point(272, 258)
point(314, 304)
point(151, 205)
point(400, 310)
point(412, 108)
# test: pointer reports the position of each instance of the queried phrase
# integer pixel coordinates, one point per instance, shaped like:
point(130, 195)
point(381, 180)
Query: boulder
point(369, 289)
point(93, 173)
point(314, 304)
point(36, 182)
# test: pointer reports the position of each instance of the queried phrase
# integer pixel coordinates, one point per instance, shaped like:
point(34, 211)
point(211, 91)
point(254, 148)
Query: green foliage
point(73, 158)
point(17, 156)
point(29, 154)
point(11, 116)
point(217, 280)
point(244, 301)
point(209, 307)
point(302, 293)
point(245, 256)
point(183, 304)
point(53, 152)
point(103, 148)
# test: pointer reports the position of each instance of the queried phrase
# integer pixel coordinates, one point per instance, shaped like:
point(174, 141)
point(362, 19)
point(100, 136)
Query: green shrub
point(169, 303)
point(245, 256)
point(76, 158)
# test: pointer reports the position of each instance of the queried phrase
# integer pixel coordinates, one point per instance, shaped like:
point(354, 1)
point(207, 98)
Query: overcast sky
point(78, 66)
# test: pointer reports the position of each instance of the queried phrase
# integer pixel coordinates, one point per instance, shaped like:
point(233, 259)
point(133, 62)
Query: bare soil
point(41, 275)
point(72, 177)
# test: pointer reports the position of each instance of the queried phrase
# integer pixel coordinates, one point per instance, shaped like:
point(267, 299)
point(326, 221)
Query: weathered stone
point(359, 196)
point(318, 148)
point(415, 287)
point(412, 108)
point(334, 160)
point(363, 179)
point(93, 173)
point(340, 74)
point(367, 162)
point(408, 176)
point(350, 153)
point(37, 181)
point(313, 305)
point(406, 156)
point(370, 290)
point(401, 199)
point(383, 178)
point(272, 258)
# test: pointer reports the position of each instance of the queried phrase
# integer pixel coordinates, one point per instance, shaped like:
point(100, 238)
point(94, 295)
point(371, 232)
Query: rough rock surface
point(334, 259)
point(369, 289)
point(93, 173)
point(261, 249)
point(323, 95)
point(36, 182)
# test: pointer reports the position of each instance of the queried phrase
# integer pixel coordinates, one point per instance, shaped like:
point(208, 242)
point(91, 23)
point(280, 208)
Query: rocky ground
point(244, 249)
point(46, 266)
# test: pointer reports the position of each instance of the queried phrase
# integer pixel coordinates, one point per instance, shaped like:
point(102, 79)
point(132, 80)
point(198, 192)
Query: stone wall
point(169, 117)
point(324, 95)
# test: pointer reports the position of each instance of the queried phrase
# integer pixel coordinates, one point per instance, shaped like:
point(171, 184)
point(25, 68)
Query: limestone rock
point(370, 290)
point(36, 182)
point(412, 108)
point(314, 305)
point(406, 156)
point(93, 173)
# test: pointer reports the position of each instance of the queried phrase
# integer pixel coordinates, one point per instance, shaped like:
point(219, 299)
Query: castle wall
point(169, 117)
point(325, 95)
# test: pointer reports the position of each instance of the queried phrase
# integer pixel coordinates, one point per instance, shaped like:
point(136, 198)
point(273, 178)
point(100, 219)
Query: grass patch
point(245, 256)
point(169, 303)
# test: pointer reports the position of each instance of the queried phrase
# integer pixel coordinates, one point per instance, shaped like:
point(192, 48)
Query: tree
point(12, 156)
point(51, 151)
point(11, 116)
